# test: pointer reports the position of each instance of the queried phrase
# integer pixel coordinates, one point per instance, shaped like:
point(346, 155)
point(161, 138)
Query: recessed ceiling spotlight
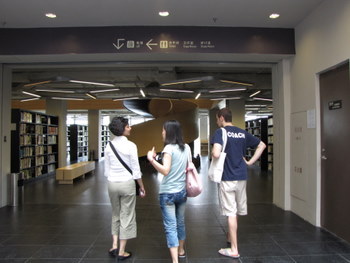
point(50, 15)
point(163, 13)
point(274, 16)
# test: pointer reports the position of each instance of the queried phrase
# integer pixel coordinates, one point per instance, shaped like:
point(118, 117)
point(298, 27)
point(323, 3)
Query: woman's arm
point(106, 161)
point(164, 168)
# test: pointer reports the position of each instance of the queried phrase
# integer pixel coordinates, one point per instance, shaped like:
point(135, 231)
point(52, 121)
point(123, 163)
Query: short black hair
point(226, 113)
point(173, 133)
point(117, 125)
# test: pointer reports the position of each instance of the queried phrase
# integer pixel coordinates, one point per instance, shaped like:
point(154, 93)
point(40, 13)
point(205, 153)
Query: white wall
point(322, 41)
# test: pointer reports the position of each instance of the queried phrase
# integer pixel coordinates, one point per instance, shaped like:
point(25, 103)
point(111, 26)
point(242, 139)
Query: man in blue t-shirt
point(232, 189)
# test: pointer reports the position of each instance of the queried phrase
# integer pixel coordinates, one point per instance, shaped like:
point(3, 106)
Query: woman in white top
point(172, 190)
point(121, 186)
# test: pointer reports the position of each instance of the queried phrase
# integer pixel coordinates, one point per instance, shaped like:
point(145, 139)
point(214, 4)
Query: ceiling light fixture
point(236, 82)
point(37, 83)
point(181, 82)
point(178, 90)
point(130, 98)
point(226, 90)
point(31, 94)
point(274, 16)
point(29, 99)
point(91, 96)
point(104, 90)
point(50, 15)
point(256, 93)
point(163, 13)
point(256, 98)
point(232, 98)
point(142, 93)
point(63, 98)
point(198, 95)
point(55, 90)
point(92, 83)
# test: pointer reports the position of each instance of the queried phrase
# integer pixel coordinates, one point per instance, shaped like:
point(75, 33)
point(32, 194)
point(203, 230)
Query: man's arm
point(259, 150)
point(216, 150)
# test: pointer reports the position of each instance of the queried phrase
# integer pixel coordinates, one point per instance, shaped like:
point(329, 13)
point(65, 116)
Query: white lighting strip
point(225, 90)
point(232, 98)
point(181, 82)
point(55, 90)
point(131, 98)
point(178, 90)
point(256, 93)
point(31, 94)
point(104, 90)
point(262, 99)
point(236, 82)
point(28, 99)
point(142, 93)
point(62, 98)
point(91, 96)
point(255, 105)
point(198, 95)
point(37, 83)
point(92, 83)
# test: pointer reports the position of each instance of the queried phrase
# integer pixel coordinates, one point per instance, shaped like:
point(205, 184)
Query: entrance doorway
point(335, 140)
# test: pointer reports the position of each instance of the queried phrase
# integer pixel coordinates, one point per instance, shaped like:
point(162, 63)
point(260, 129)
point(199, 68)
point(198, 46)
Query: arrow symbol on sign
point(119, 44)
point(149, 44)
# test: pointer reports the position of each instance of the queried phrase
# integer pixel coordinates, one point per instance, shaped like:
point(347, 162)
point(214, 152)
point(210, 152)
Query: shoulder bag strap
point(189, 151)
point(120, 159)
point(224, 139)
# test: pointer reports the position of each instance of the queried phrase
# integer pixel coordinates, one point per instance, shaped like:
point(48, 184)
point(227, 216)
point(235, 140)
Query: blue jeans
point(173, 210)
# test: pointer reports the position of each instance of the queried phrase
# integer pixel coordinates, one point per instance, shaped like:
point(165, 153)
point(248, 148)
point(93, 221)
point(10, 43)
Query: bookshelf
point(34, 144)
point(105, 136)
point(270, 143)
point(258, 128)
point(78, 142)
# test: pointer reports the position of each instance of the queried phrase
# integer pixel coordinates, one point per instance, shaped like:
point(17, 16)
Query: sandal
point(182, 255)
point(228, 253)
point(123, 256)
point(113, 252)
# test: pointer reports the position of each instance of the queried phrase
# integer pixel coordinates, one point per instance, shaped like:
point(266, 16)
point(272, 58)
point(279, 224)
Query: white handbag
point(216, 167)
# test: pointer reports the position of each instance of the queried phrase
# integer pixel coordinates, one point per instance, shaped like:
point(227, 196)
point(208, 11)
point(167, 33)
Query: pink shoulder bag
point(193, 180)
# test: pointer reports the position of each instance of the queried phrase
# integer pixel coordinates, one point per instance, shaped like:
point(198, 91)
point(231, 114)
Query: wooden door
point(335, 147)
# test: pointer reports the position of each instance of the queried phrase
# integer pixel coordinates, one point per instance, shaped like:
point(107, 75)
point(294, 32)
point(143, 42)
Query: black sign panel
point(335, 105)
point(147, 39)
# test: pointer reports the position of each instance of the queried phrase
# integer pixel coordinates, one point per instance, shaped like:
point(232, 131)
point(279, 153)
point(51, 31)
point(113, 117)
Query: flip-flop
point(228, 253)
point(182, 255)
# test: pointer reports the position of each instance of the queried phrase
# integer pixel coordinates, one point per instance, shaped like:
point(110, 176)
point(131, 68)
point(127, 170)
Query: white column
point(59, 108)
point(281, 134)
point(5, 131)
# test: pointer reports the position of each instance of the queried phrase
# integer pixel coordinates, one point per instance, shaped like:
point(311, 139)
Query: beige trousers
point(123, 200)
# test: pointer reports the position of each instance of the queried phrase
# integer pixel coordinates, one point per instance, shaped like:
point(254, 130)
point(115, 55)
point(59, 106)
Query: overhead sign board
point(147, 40)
